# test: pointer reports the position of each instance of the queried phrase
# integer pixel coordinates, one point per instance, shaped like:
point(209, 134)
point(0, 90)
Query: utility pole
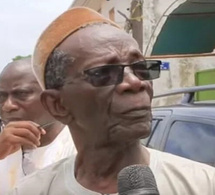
point(136, 20)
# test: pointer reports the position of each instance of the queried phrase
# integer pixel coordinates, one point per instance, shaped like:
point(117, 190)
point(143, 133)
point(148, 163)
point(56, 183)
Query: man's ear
point(51, 100)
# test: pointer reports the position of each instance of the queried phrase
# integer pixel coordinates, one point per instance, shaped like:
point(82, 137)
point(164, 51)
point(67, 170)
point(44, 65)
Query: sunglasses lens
point(147, 70)
point(113, 74)
point(104, 75)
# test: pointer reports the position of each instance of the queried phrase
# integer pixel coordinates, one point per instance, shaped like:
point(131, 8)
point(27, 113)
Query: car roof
point(188, 105)
point(198, 109)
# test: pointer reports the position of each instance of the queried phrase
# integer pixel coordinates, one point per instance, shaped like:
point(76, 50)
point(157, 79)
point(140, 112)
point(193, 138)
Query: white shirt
point(174, 176)
point(13, 168)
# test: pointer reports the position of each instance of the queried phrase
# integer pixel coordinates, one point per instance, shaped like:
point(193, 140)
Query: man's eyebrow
point(21, 89)
point(133, 55)
point(113, 59)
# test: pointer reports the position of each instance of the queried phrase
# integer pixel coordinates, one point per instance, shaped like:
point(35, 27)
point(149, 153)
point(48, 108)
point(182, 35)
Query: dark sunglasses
point(113, 74)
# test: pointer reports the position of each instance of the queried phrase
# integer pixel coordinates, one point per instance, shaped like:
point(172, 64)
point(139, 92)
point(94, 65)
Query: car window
point(145, 140)
point(155, 133)
point(150, 141)
point(191, 140)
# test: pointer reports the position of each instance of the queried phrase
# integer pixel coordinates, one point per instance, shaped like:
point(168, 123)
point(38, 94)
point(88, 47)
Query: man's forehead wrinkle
point(16, 70)
point(123, 51)
point(98, 33)
point(20, 85)
point(97, 42)
point(17, 78)
point(93, 36)
point(13, 90)
point(17, 74)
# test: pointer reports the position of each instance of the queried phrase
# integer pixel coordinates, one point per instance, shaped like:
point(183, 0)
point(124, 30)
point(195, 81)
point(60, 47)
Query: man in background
point(31, 138)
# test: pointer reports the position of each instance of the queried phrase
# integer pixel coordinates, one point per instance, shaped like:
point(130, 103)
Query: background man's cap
point(63, 26)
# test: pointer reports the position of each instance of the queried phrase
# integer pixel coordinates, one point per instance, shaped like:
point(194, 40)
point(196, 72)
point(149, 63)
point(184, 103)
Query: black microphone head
point(137, 180)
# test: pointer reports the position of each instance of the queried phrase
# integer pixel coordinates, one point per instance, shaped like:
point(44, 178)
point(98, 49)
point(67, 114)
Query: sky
point(22, 22)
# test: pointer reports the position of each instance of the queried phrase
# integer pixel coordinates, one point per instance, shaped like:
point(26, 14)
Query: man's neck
point(97, 171)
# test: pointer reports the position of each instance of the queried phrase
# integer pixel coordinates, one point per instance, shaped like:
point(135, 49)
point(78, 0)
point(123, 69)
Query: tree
point(20, 57)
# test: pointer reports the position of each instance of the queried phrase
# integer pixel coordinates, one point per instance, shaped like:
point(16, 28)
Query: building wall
point(94, 4)
point(105, 6)
point(182, 70)
point(122, 6)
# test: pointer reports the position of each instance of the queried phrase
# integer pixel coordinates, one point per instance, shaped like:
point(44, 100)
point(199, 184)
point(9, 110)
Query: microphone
point(137, 180)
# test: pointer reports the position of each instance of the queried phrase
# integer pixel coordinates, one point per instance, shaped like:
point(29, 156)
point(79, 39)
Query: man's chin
point(141, 130)
point(131, 132)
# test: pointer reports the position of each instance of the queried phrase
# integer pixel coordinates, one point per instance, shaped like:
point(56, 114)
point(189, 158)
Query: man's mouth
point(135, 113)
point(139, 109)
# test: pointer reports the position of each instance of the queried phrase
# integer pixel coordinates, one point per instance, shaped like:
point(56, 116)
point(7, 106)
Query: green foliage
point(20, 57)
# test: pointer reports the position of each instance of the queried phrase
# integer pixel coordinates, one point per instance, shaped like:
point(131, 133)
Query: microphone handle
point(144, 191)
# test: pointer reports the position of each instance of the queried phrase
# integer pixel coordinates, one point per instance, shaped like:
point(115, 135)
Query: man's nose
point(9, 105)
point(130, 82)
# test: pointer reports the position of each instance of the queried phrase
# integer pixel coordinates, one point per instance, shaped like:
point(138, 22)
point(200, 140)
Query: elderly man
point(98, 82)
point(24, 145)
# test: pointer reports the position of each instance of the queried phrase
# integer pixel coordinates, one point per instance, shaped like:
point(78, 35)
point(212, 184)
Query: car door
point(190, 137)
point(159, 122)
